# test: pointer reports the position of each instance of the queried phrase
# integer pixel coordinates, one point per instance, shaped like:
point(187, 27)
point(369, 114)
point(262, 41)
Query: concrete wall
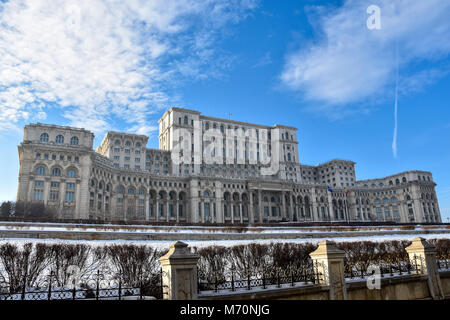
point(406, 287)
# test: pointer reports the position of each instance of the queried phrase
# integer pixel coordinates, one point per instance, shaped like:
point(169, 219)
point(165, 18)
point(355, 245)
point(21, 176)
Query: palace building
point(208, 170)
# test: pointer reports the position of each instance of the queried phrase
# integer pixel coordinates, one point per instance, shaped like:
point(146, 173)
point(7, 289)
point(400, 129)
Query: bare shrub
point(23, 267)
point(65, 255)
point(134, 264)
point(212, 265)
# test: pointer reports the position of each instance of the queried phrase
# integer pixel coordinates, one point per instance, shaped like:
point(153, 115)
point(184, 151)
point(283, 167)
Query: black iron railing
point(97, 286)
point(263, 278)
point(443, 264)
point(383, 268)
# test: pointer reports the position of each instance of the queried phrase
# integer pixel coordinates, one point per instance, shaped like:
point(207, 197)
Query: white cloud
point(263, 61)
point(103, 59)
point(349, 64)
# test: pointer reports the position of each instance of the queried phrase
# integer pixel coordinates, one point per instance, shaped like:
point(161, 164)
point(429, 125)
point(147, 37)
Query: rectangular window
point(39, 183)
point(274, 211)
point(38, 194)
point(54, 184)
point(70, 196)
point(54, 195)
point(70, 186)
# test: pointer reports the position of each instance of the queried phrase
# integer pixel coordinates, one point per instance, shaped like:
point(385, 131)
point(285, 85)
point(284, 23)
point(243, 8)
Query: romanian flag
point(329, 189)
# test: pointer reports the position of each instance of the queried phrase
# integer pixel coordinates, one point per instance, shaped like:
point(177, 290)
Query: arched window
point(393, 199)
point(207, 126)
point(131, 191)
point(40, 171)
point(71, 173)
point(377, 201)
point(185, 120)
point(206, 194)
point(138, 144)
point(44, 137)
point(397, 181)
point(59, 139)
point(117, 142)
point(403, 179)
point(120, 189)
point(142, 191)
point(128, 143)
point(56, 172)
point(408, 197)
point(74, 141)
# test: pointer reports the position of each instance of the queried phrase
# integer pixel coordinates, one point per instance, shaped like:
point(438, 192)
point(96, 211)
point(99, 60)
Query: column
point(283, 205)
point(179, 273)
point(424, 254)
point(240, 212)
point(330, 205)
point(220, 213)
point(147, 208)
point(330, 263)
point(177, 210)
point(260, 208)
point(46, 189)
point(168, 208)
point(157, 208)
point(251, 215)
point(232, 208)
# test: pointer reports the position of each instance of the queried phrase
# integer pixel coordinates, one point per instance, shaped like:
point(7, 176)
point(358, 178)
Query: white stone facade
point(124, 180)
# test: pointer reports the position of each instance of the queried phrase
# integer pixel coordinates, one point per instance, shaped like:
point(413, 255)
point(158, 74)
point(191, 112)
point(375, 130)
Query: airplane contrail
point(394, 142)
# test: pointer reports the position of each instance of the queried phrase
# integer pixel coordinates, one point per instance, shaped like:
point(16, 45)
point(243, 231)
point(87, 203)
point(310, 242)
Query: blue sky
point(108, 65)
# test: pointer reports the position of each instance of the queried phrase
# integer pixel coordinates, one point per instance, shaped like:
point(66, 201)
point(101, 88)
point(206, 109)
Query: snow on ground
point(55, 227)
point(226, 243)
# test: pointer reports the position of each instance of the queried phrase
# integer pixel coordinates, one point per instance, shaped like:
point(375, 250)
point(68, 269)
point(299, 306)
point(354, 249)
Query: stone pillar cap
point(179, 251)
point(420, 243)
point(327, 248)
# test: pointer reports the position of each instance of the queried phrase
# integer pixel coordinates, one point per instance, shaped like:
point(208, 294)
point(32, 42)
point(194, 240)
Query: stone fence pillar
point(330, 263)
point(179, 273)
point(423, 254)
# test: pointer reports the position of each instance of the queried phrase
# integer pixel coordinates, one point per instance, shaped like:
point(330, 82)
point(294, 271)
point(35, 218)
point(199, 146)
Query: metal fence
point(97, 286)
point(261, 278)
point(385, 268)
point(443, 264)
